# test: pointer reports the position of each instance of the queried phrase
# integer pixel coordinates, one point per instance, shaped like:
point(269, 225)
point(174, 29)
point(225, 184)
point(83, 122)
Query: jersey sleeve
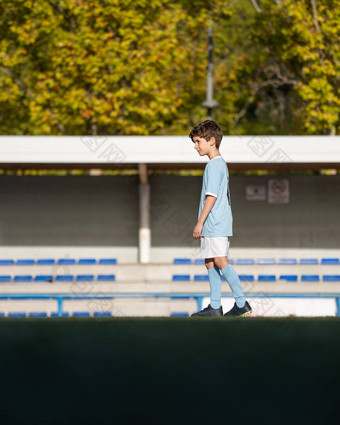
point(213, 181)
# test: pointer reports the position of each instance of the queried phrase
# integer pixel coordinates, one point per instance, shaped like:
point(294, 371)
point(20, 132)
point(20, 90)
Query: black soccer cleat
point(209, 311)
point(239, 311)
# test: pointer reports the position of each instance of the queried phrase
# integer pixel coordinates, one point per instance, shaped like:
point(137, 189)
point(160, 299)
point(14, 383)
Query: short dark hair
point(206, 130)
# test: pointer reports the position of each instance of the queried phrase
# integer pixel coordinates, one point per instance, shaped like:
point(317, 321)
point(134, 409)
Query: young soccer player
point(214, 226)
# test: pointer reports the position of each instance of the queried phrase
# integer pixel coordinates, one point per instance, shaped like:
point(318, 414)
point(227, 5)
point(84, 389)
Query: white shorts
point(217, 246)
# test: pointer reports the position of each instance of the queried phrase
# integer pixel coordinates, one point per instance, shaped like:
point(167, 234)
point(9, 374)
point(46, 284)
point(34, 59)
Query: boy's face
point(203, 146)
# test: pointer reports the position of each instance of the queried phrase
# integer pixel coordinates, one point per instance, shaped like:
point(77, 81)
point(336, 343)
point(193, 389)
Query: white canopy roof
point(166, 150)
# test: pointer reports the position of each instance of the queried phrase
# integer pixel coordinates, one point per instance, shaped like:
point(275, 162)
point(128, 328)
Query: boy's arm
point(209, 203)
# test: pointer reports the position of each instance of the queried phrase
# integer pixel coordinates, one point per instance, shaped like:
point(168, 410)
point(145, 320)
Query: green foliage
point(138, 67)
point(285, 78)
point(101, 67)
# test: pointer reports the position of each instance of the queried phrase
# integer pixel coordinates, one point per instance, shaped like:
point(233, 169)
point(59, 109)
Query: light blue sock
point(215, 287)
point(234, 282)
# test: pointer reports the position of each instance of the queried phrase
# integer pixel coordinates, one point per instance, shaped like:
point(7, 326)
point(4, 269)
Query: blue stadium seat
point(43, 278)
point(63, 314)
point(2, 314)
point(331, 278)
point(288, 261)
point(64, 278)
point(310, 278)
point(330, 261)
point(5, 278)
point(106, 277)
point(182, 261)
point(87, 261)
point(66, 261)
point(25, 262)
point(16, 314)
point(45, 261)
point(198, 261)
point(308, 261)
point(266, 261)
point(266, 278)
point(180, 277)
point(80, 314)
point(108, 261)
point(179, 314)
point(85, 277)
point(201, 277)
point(246, 277)
point(289, 277)
point(102, 313)
point(6, 262)
point(23, 278)
point(37, 314)
point(244, 261)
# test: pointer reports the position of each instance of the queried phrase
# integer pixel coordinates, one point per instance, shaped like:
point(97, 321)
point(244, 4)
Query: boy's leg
point(232, 278)
point(214, 308)
point(215, 283)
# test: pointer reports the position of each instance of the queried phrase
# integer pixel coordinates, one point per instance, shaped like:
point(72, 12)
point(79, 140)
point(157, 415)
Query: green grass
point(170, 370)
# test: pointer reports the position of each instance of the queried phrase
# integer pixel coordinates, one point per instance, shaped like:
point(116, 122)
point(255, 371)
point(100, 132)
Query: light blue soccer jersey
point(216, 183)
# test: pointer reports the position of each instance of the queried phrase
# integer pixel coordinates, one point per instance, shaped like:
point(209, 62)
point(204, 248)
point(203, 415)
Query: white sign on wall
point(255, 193)
point(278, 191)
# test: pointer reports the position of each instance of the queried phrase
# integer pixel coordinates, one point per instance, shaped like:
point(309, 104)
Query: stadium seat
point(63, 314)
point(331, 278)
point(23, 278)
point(288, 261)
point(266, 261)
point(329, 261)
point(43, 278)
point(45, 261)
point(80, 314)
point(102, 313)
point(180, 277)
point(37, 314)
point(85, 277)
point(308, 261)
point(16, 314)
point(106, 277)
point(64, 278)
point(266, 278)
point(246, 277)
point(179, 314)
point(199, 261)
point(289, 277)
point(25, 262)
point(201, 277)
point(108, 261)
point(244, 261)
point(2, 314)
point(6, 262)
point(310, 278)
point(87, 261)
point(5, 278)
point(66, 261)
point(182, 261)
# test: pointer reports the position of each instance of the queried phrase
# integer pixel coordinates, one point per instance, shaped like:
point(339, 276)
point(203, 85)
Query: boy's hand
point(197, 230)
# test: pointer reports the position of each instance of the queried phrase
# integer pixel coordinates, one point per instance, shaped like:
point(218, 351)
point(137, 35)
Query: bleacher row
point(55, 314)
point(267, 277)
point(34, 314)
point(60, 261)
point(59, 278)
point(266, 261)
point(263, 278)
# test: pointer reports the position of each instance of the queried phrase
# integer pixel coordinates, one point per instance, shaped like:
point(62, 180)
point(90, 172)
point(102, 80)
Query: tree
point(286, 78)
point(101, 67)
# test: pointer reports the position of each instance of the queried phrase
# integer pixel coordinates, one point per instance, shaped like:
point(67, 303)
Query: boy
point(214, 225)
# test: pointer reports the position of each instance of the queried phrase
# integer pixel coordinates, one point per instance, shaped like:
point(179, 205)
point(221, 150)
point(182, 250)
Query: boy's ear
point(212, 140)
